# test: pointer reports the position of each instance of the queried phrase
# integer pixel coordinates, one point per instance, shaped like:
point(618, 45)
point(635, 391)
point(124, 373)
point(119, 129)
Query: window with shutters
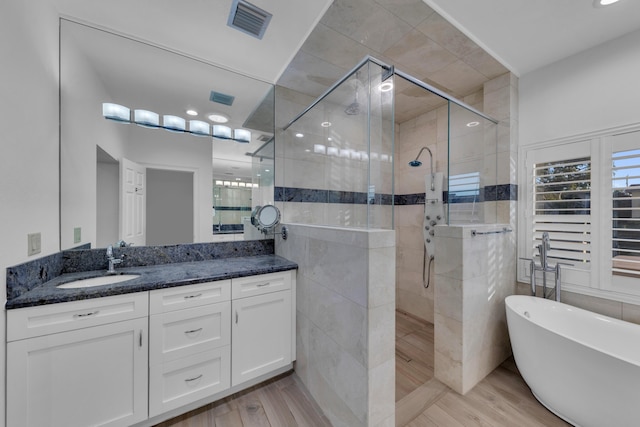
point(586, 195)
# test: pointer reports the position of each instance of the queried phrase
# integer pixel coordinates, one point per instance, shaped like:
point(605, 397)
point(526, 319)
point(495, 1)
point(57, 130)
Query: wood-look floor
point(281, 402)
point(414, 354)
point(502, 399)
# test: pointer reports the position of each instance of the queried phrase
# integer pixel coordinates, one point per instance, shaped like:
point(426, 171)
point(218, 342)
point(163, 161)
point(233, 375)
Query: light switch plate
point(77, 235)
point(33, 244)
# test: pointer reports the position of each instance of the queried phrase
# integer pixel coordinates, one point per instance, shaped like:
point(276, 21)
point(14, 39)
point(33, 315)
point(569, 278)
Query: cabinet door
point(89, 377)
point(261, 335)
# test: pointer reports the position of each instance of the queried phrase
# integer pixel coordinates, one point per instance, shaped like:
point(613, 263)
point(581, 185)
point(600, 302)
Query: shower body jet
point(415, 163)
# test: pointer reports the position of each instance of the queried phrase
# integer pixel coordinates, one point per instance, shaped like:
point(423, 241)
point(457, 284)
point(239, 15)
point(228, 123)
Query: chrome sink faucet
point(112, 260)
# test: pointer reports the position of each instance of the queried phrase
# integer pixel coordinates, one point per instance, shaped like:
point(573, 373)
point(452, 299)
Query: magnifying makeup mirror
point(266, 218)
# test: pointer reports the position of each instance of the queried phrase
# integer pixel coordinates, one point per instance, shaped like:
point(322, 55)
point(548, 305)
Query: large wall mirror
point(155, 184)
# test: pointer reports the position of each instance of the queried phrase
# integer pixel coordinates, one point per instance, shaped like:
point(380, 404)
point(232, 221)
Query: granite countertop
point(152, 277)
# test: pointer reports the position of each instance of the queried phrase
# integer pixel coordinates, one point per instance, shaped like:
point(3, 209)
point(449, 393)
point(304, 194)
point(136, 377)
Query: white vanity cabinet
point(190, 344)
point(263, 325)
point(81, 363)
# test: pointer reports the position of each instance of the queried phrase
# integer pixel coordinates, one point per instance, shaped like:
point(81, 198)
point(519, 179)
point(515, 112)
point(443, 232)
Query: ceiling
point(525, 35)
point(198, 28)
point(312, 43)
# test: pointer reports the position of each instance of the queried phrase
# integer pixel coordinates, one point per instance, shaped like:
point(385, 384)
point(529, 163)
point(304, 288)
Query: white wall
point(593, 90)
point(29, 160)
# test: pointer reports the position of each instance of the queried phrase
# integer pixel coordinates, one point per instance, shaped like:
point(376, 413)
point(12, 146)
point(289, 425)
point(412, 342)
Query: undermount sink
point(97, 281)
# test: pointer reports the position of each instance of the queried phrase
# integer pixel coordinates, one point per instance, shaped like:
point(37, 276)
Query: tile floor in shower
point(502, 399)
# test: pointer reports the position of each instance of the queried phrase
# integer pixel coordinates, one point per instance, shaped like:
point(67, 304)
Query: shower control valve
point(438, 217)
point(432, 222)
point(431, 232)
point(426, 227)
point(428, 240)
point(427, 217)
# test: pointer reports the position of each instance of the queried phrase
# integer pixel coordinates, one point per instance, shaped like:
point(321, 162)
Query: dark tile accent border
point(490, 193)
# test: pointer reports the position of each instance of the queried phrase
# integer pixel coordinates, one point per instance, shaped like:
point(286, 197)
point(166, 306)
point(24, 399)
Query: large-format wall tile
point(382, 384)
point(381, 341)
point(340, 268)
point(415, 305)
point(382, 262)
point(597, 305)
point(448, 371)
point(331, 403)
point(346, 376)
point(631, 312)
point(344, 321)
point(303, 334)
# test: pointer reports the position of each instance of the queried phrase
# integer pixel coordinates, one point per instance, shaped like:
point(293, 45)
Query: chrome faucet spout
point(112, 260)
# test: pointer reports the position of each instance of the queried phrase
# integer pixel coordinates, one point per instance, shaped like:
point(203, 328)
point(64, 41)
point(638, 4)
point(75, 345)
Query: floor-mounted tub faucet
point(112, 260)
point(543, 248)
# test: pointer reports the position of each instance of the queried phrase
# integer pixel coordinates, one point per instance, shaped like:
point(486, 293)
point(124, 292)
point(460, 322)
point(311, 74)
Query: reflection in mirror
point(151, 184)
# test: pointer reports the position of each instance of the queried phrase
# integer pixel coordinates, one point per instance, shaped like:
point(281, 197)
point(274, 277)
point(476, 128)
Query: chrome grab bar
point(475, 233)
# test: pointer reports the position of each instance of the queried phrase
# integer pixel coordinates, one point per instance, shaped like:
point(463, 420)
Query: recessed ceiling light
point(385, 87)
point(307, 150)
point(603, 3)
point(472, 124)
point(218, 118)
point(299, 135)
point(325, 124)
point(267, 170)
point(329, 139)
point(192, 112)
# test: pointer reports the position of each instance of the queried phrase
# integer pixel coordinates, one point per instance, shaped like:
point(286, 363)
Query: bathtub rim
point(510, 301)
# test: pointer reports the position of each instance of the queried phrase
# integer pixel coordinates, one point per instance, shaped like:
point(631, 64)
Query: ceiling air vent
point(248, 18)
point(221, 98)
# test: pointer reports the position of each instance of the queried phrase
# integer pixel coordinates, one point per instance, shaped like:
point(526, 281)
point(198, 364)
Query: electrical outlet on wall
point(77, 235)
point(33, 244)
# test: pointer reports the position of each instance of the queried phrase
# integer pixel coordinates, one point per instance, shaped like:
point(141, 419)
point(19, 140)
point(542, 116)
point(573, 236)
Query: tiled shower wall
point(345, 320)
point(498, 99)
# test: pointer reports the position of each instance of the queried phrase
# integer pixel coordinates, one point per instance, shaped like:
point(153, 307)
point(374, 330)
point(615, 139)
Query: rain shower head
point(416, 163)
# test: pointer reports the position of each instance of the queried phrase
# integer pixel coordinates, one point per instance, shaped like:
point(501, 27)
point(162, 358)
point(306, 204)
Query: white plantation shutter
point(562, 207)
point(624, 262)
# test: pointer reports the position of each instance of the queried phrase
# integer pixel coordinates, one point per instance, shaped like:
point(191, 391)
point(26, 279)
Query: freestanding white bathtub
point(582, 366)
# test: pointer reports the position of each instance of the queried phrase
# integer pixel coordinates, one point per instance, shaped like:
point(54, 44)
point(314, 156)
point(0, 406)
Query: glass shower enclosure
point(345, 161)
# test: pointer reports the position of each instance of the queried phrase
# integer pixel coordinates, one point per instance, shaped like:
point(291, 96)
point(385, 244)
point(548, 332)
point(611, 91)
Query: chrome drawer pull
point(194, 378)
point(92, 313)
point(263, 284)
point(192, 296)
point(193, 331)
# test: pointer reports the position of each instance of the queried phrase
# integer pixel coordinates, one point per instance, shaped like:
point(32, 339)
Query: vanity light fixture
point(199, 128)
point(242, 135)
point(218, 182)
point(173, 123)
point(220, 131)
point(192, 112)
point(116, 112)
point(146, 119)
point(364, 156)
point(218, 118)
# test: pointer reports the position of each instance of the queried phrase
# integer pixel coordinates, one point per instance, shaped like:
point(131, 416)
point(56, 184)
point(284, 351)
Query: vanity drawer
point(262, 284)
point(177, 334)
point(189, 379)
point(179, 297)
point(67, 316)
